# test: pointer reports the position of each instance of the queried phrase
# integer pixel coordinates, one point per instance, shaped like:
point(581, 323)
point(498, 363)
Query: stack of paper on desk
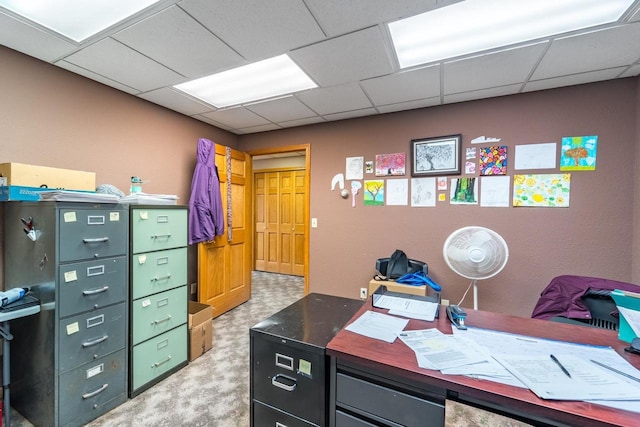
point(629, 307)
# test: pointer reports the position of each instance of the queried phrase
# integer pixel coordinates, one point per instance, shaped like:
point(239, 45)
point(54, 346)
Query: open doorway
point(289, 169)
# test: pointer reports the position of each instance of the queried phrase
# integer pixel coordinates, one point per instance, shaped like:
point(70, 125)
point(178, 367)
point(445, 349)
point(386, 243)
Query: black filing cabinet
point(289, 367)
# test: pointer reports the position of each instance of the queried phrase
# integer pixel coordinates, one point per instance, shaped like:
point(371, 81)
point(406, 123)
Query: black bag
point(397, 265)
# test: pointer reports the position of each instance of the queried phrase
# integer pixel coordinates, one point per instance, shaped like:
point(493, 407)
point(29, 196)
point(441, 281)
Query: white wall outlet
point(444, 302)
point(314, 222)
point(363, 293)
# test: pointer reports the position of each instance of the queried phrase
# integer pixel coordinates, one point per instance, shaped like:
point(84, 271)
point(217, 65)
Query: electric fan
point(475, 253)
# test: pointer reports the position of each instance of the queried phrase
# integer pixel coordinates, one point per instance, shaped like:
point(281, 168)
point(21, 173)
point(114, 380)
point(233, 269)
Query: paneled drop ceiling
point(344, 46)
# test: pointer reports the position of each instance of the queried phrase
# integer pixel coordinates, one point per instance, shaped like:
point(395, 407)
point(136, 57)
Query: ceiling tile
point(339, 16)
point(480, 94)
point(575, 79)
point(404, 86)
point(122, 64)
point(282, 109)
point(176, 100)
point(350, 114)
point(176, 40)
point(243, 24)
point(335, 99)
point(212, 122)
point(602, 49)
point(495, 69)
point(411, 105)
point(37, 43)
point(254, 129)
point(236, 118)
point(302, 122)
point(351, 57)
point(632, 71)
point(93, 76)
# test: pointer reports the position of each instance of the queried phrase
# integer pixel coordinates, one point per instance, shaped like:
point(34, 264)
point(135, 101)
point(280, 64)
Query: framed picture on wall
point(436, 156)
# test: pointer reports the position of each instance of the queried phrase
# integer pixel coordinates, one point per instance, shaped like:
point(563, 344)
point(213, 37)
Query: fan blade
point(479, 237)
point(457, 254)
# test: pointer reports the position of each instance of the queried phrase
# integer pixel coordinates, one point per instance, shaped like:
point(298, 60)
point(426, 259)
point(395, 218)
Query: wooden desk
point(394, 366)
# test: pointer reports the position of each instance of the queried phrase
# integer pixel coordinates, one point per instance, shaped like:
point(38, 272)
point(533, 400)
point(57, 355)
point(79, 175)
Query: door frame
point(307, 183)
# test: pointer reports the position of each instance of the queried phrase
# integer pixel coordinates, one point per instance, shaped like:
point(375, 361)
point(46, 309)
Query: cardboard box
point(199, 313)
point(54, 178)
point(200, 339)
point(397, 287)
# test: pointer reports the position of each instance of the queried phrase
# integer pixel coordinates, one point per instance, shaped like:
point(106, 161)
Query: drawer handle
point(96, 291)
point(160, 236)
point(93, 393)
point(287, 387)
point(166, 319)
point(155, 365)
point(156, 279)
point(94, 342)
point(96, 240)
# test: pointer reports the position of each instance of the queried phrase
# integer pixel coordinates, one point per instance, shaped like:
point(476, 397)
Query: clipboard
point(382, 290)
point(630, 301)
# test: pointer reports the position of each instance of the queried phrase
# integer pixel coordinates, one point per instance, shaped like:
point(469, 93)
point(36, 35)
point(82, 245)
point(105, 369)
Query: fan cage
point(494, 253)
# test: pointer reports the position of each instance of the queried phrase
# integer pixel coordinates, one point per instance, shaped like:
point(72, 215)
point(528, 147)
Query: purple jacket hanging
point(206, 219)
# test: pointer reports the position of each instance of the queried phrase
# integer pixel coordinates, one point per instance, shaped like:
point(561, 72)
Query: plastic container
point(136, 184)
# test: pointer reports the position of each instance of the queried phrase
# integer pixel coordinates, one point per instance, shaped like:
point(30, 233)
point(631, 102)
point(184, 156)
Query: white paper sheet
point(378, 326)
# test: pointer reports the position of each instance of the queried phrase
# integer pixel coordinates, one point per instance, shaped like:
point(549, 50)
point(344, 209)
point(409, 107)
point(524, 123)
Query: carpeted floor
point(213, 390)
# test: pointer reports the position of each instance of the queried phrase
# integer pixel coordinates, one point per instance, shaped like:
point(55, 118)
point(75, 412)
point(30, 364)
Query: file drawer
point(92, 284)
point(92, 233)
point(279, 381)
point(346, 420)
point(89, 336)
point(159, 355)
point(158, 313)
point(389, 404)
point(155, 272)
point(266, 416)
point(157, 229)
point(85, 391)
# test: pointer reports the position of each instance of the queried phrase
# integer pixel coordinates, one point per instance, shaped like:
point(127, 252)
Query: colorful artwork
point(579, 153)
point(548, 190)
point(374, 192)
point(464, 191)
point(391, 164)
point(493, 160)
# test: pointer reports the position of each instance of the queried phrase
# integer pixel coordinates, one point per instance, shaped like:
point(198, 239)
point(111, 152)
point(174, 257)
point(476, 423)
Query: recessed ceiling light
point(260, 80)
point(475, 25)
point(76, 19)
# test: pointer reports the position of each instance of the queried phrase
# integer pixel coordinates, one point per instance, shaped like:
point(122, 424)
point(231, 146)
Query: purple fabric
point(206, 219)
point(563, 296)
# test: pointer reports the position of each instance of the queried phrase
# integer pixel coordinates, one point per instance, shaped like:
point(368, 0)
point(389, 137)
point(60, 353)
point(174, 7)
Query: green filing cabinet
point(158, 294)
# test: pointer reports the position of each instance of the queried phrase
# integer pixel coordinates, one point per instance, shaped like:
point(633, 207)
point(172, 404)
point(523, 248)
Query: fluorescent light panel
point(476, 25)
point(76, 19)
point(260, 80)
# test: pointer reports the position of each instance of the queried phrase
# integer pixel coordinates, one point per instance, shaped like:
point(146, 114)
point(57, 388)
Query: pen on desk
point(555, 359)
point(615, 370)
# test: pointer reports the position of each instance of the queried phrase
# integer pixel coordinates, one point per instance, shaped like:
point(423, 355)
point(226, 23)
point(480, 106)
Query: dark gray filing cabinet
point(69, 362)
point(289, 367)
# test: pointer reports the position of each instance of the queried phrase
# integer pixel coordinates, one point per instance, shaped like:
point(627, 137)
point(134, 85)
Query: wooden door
point(280, 225)
point(224, 264)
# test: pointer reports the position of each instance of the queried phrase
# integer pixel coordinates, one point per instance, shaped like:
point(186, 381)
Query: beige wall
point(592, 237)
point(51, 117)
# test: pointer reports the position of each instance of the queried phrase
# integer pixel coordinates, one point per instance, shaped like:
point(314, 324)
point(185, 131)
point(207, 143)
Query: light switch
point(314, 222)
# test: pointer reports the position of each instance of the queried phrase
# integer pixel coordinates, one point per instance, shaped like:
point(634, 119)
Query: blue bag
point(418, 278)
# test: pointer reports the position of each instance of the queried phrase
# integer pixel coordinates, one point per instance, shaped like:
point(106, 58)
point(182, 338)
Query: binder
point(629, 301)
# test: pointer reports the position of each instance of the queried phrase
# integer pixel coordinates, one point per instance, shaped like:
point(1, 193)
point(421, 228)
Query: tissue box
point(18, 174)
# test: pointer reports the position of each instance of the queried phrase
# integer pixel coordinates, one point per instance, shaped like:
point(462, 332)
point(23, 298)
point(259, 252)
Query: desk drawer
point(346, 420)
point(89, 336)
point(158, 229)
point(86, 391)
point(158, 313)
point(389, 404)
point(92, 284)
point(155, 272)
point(92, 233)
point(158, 355)
point(266, 416)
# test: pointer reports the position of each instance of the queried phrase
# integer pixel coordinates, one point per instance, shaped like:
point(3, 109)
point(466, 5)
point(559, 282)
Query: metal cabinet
point(289, 368)
point(69, 362)
point(158, 294)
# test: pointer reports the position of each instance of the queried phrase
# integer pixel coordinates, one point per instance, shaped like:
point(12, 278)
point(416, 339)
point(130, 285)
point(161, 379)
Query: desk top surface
point(398, 360)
